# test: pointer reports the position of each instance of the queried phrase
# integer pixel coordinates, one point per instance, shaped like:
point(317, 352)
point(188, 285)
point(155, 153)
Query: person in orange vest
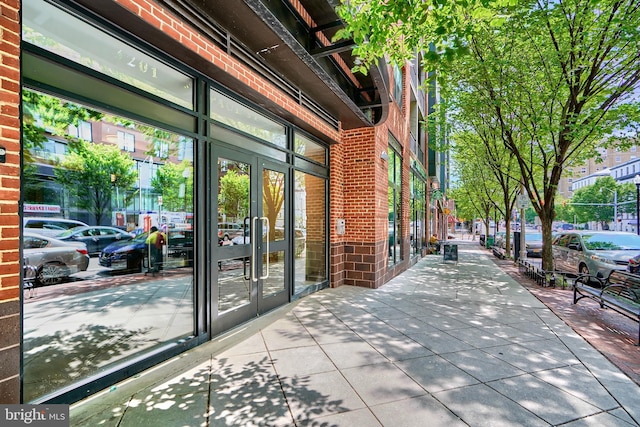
point(155, 241)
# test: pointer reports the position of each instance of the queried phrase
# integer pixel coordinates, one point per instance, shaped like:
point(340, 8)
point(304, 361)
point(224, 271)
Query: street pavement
point(444, 343)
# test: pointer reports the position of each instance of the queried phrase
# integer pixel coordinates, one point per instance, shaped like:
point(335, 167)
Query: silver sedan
point(53, 258)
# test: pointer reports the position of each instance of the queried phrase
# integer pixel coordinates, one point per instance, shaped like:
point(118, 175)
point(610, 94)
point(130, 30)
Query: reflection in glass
point(232, 113)
point(395, 203)
point(309, 149)
point(309, 233)
point(112, 312)
point(275, 280)
point(417, 205)
point(50, 28)
point(234, 275)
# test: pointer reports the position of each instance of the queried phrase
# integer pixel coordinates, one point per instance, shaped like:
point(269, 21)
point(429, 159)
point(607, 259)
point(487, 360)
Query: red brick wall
point(359, 187)
point(336, 211)
point(9, 199)
point(162, 19)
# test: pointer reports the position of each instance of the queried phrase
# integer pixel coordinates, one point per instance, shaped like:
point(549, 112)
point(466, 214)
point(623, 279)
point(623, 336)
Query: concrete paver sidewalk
point(441, 344)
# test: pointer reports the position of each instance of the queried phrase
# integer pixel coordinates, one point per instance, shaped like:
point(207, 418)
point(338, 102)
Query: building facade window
point(238, 116)
point(417, 205)
point(98, 184)
point(394, 197)
point(145, 174)
point(89, 46)
point(126, 141)
point(82, 130)
point(310, 201)
point(397, 85)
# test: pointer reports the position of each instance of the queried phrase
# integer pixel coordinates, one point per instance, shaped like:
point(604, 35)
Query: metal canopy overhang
point(265, 40)
point(273, 31)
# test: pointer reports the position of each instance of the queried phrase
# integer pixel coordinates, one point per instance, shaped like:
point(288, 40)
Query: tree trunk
point(547, 217)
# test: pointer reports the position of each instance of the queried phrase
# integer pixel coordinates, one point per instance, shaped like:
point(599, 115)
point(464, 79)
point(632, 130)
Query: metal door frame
point(257, 304)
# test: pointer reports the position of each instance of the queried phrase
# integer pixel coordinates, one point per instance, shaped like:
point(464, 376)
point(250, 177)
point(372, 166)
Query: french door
point(251, 241)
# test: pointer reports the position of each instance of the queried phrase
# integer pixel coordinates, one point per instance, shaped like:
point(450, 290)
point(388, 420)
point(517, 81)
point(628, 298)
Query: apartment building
point(186, 115)
point(609, 158)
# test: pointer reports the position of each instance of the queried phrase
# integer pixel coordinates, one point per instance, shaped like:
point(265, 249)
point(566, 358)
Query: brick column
point(9, 199)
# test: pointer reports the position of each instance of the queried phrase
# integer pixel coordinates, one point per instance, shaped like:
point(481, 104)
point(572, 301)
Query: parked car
point(95, 237)
point(49, 226)
point(53, 259)
point(533, 244)
point(229, 230)
point(300, 239)
point(594, 252)
point(634, 265)
point(129, 255)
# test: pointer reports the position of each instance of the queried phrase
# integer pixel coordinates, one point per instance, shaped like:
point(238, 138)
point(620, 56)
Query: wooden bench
point(619, 292)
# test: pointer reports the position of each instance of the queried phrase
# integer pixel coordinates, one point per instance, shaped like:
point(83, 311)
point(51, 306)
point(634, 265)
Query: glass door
point(250, 245)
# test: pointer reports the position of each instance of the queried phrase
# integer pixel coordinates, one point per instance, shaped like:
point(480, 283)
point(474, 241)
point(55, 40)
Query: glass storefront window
point(417, 204)
point(310, 201)
point(111, 293)
point(309, 149)
point(232, 113)
point(394, 196)
point(56, 31)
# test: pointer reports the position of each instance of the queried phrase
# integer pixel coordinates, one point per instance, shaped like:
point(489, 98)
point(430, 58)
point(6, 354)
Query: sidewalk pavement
point(451, 344)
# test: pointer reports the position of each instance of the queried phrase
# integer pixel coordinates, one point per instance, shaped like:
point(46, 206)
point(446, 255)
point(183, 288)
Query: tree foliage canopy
point(90, 172)
point(551, 79)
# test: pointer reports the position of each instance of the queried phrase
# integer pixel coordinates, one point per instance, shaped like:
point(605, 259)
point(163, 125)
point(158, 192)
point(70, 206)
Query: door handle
point(254, 221)
point(250, 260)
point(266, 276)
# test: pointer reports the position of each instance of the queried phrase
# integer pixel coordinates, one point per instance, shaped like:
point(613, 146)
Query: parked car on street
point(49, 226)
point(53, 259)
point(229, 230)
point(300, 239)
point(533, 244)
point(95, 237)
point(594, 252)
point(129, 255)
point(634, 265)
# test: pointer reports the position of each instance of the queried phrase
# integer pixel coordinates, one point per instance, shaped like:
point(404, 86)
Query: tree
point(556, 77)
point(595, 203)
point(91, 173)
point(175, 183)
point(479, 148)
point(476, 185)
point(272, 197)
point(234, 194)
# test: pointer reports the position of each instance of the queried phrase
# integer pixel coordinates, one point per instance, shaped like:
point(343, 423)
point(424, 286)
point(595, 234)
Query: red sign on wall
point(28, 207)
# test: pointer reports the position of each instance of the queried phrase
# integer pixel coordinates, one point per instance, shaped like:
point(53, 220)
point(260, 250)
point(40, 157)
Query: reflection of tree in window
point(90, 171)
point(273, 197)
point(170, 182)
point(233, 198)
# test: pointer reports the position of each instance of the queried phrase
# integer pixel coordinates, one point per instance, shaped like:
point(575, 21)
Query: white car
point(53, 259)
point(49, 226)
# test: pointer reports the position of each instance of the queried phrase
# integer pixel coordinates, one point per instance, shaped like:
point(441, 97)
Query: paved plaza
point(455, 344)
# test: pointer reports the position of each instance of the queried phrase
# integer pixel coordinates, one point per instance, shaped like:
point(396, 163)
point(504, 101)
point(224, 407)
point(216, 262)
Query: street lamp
point(636, 181)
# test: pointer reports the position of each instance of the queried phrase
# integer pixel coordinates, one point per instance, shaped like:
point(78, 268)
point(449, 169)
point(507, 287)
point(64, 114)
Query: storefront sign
point(28, 207)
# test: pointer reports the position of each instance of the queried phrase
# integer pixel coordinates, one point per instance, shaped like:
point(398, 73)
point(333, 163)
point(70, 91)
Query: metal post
point(636, 181)
point(637, 207)
point(523, 247)
point(615, 210)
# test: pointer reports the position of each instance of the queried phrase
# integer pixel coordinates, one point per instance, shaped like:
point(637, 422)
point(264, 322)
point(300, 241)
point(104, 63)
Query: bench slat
point(620, 292)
